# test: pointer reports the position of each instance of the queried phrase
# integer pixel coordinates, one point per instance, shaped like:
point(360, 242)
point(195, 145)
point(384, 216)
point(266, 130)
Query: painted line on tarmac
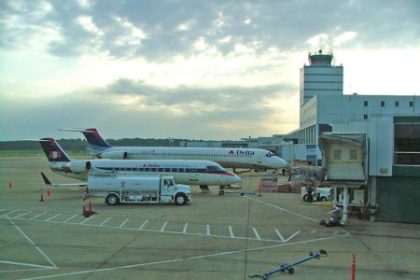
point(279, 235)
point(21, 215)
point(7, 214)
point(282, 209)
point(181, 259)
point(39, 215)
point(162, 229)
point(71, 218)
point(143, 225)
point(257, 235)
point(27, 264)
point(123, 223)
point(293, 235)
point(55, 216)
point(33, 243)
point(231, 232)
point(184, 231)
point(105, 221)
point(85, 220)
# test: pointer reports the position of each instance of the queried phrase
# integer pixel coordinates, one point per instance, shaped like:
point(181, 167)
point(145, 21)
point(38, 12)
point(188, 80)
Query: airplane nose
point(235, 178)
point(281, 163)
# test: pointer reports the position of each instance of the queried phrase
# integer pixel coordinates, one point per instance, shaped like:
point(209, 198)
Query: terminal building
point(389, 123)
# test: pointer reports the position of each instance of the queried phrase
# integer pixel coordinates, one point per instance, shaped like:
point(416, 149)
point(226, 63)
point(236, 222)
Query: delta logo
point(55, 155)
point(241, 153)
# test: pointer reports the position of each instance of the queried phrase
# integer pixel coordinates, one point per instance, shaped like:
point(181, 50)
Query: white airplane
point(194, 172)
point(251, 158)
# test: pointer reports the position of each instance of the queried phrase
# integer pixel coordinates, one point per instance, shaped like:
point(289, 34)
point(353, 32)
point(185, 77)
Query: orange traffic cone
point(90, 208)
point(10, 184)
point(49, 192)
point(42, 196)
point(259, 190)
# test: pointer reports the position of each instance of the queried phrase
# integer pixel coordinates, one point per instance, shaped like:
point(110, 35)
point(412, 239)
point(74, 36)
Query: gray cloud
point(223, 97)
point(282, 24)
point(219, 113)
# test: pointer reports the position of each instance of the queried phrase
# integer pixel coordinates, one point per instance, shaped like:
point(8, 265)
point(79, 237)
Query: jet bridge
point(344, 157)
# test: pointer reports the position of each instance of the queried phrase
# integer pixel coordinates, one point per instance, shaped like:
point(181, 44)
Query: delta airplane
point(193, 172)
point(226, 157)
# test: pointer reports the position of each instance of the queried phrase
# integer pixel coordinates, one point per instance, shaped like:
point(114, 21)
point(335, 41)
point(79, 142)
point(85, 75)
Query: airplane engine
point(80, 166)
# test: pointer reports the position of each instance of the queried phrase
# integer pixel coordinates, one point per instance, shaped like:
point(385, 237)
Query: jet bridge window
point(407, 143)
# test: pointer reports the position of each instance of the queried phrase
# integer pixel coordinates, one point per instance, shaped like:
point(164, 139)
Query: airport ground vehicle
point(319, 194)
point(138, 189)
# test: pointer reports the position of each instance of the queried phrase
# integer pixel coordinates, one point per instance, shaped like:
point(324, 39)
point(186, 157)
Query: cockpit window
point(269, 154)
point(214, 168)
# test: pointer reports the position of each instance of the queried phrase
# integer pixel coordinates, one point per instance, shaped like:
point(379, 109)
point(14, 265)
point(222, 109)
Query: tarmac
point(213, 237)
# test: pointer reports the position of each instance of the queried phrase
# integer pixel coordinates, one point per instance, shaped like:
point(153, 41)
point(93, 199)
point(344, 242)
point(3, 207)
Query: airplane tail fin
point(53, 150)
point(95, 140)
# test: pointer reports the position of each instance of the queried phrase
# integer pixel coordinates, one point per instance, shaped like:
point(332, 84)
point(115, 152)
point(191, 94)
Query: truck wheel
point(112, 199)
point(180, 199)
point(291, 270)
point(305, 197)
point(323, 198)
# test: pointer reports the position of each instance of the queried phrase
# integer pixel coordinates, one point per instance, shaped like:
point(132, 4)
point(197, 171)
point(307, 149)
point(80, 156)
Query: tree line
point(76, 145)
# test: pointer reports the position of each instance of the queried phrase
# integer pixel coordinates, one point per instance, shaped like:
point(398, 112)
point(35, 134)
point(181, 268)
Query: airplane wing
point(48, 182)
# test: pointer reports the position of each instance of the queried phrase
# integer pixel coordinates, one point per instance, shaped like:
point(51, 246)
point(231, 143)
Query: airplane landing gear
point(221, 190)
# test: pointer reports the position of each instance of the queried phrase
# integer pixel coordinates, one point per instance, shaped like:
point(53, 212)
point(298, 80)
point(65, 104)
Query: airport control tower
point(320, 77)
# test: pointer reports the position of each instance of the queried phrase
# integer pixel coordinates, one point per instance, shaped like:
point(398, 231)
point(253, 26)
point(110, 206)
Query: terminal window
point(353, 154)
point(337, 154)
point(365, 103)
point(407, 143)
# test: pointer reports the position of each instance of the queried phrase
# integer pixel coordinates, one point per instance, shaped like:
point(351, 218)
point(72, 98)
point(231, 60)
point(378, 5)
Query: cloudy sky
point(190, 69)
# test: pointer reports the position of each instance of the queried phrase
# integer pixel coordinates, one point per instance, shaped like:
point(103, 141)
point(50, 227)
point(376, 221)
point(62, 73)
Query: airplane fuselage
point(196, 172)
point(226, 157)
